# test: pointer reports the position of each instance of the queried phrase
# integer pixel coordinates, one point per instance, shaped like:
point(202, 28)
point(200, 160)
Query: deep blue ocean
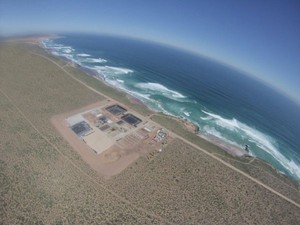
point(221, 100)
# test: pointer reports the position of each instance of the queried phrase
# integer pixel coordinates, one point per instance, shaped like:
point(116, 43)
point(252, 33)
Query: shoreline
point(231, 149)
point(187, 182)
point(226, 146)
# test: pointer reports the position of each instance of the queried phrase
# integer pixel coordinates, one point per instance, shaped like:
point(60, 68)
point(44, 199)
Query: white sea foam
point(188, 114)
point(93, 60)
point(154, 105)
point(261, 140)
point(146, 98)
point(99, 60)
point(184, 111)
point(63, 49)
point(230, 124)
point(119, 70)
point(115, 84)
point(109, 70)
point(156, 87)
point(140, 96)
point(205, 118)
point(212, 131)
point(67, 50)
point(83, 55)
point(58, 48)
point(119, 84)
point(101, 70)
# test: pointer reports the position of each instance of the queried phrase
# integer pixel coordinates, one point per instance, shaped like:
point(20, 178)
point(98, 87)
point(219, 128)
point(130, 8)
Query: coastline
point(190, 126)
point(186, 183)
point(226, 147)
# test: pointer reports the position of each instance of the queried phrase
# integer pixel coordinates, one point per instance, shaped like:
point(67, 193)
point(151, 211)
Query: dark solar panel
point(81, 128)
point(131, 119)
point(116, 109)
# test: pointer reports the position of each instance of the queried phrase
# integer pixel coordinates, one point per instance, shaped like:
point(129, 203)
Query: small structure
point(147, 129)
point(102, 120)
point(98, 115)
point(160, 135)
point(104, 128)
point(120, 122)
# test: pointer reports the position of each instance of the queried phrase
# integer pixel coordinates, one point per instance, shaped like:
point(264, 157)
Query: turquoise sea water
point(221, 100)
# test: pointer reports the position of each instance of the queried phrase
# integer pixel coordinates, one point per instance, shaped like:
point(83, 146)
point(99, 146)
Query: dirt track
point(110, 163)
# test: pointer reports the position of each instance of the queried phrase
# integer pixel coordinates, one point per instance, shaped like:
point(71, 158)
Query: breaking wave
point(261, 140)
point(120, 81)
point(83, 55)
point(108, 71)
point(188, 114)
point(62, 49)
point(119, 70)
point(93, 60)
point(145, 98)
point(156, 88)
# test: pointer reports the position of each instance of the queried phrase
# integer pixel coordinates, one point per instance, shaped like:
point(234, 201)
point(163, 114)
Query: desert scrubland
point(44, 181)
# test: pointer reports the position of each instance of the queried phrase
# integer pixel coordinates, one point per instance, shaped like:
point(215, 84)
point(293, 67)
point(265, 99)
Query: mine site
point(109, 137)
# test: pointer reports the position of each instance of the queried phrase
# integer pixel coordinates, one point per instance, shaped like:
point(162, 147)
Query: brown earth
point(109, 163)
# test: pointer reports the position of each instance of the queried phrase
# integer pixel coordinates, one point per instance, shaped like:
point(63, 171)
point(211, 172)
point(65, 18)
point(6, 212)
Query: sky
point(259, 37)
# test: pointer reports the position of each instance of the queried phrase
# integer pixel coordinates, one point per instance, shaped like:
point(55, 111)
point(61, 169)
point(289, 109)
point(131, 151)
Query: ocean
point(221, 100)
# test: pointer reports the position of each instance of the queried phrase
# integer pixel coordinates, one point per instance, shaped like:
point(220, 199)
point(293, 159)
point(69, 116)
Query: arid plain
point(44, 180)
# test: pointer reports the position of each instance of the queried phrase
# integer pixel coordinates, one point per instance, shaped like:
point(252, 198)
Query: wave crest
point(83, 55)
point(93, 60)
point(156, 88)
point(261, 140)
point(110, 70)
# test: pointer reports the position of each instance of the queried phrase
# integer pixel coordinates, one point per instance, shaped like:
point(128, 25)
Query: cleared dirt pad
point(114, 156)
